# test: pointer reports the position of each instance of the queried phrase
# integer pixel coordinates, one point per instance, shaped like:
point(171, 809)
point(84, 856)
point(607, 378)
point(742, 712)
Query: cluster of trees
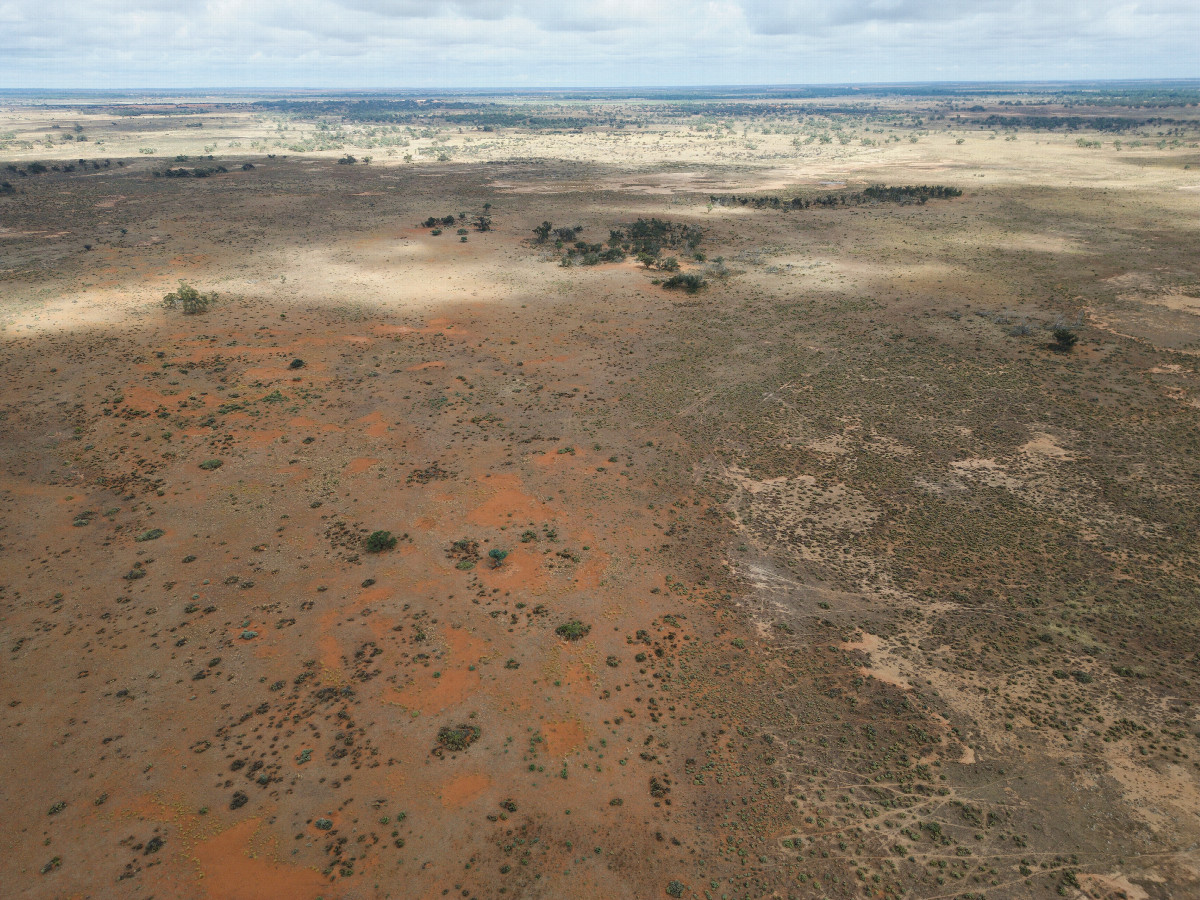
point(651, 236)
point(876, 193)
point(645, 239)
point(37, 168)
point(481, 222)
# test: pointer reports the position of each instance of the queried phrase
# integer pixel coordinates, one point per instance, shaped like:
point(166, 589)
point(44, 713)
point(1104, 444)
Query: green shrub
point(689, 281)
point(380, 541)
point(573, 630)
point(1064, 339)
point(152, 535)
point(209, 464)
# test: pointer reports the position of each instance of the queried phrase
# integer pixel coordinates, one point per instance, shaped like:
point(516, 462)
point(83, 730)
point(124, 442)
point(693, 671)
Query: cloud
point(488, 43)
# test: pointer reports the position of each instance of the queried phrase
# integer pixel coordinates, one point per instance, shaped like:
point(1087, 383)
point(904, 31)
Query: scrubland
point(483, 563)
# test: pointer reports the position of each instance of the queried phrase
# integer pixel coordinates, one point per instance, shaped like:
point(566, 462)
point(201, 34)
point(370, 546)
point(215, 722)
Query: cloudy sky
point(570, 43)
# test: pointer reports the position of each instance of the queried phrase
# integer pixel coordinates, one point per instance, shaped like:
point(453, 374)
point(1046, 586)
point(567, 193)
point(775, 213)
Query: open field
point(834, 577)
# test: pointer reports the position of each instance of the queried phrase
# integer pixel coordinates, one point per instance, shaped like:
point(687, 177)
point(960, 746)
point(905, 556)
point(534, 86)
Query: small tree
point(542, 232)
point(1064, 339)
point(497, 557)
point(189, 299)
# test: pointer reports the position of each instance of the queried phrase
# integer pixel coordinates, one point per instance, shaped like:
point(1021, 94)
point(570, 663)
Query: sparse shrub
point(210, 464)
point(458, 737)
point(380, 541)
point(573, 630)
point(152, 535)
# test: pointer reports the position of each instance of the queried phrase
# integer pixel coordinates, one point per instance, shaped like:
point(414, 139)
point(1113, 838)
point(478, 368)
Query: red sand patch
point(463, 789)
point(374, 425)
point(229, 872)
point(432, 695)
point(563, 737)
point(454, 683)
point(306, 422)
point(522, 571)
point(508, 498)
point(360, 465)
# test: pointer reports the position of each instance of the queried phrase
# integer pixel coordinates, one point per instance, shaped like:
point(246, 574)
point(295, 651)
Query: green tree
point(1064, 339)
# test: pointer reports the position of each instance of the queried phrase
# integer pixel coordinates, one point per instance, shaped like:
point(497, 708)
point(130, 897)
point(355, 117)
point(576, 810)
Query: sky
point(429, 44)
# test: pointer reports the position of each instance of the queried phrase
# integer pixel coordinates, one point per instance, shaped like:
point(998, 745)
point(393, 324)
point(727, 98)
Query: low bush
point(458, 737)
point(573, 630)
point(688, 281)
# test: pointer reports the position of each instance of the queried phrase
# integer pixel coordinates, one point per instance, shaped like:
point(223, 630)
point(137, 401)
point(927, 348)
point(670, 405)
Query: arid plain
point(835, 576)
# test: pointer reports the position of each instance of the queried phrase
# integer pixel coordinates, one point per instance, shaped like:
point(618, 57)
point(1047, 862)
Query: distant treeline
point(198, 172)
point(474, 114)
point(876, 193)
point(37, 168)
point(1074, 123)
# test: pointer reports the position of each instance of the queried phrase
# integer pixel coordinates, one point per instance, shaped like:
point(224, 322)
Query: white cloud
point(489, 43)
